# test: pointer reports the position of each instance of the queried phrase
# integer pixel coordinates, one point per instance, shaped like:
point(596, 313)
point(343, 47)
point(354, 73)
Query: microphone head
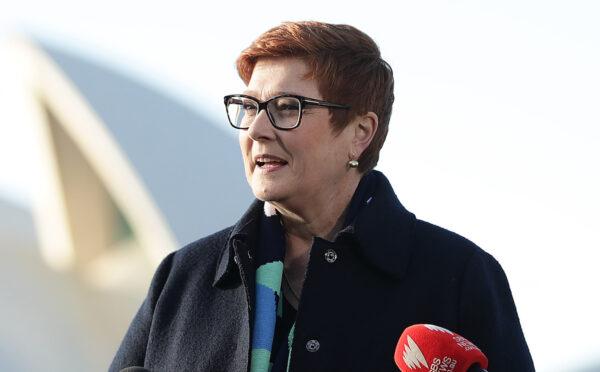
point(430, 348)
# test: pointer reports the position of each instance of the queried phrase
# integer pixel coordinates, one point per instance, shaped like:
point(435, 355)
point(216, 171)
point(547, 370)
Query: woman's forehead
point(276, 76)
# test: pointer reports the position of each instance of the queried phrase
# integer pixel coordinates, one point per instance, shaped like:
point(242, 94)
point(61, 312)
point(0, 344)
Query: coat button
point(312, 346)
point(330, 256)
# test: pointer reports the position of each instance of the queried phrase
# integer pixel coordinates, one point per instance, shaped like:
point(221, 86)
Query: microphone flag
point(430, 348)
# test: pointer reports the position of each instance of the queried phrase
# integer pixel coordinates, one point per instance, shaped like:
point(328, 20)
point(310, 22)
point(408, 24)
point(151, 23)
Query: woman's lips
point(270, 166)
point(269, 163)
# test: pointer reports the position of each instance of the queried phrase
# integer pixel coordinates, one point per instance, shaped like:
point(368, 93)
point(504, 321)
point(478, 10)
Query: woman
point(326, 268)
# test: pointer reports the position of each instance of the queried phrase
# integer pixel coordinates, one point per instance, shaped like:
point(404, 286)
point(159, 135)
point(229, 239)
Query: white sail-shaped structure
point(125, 175)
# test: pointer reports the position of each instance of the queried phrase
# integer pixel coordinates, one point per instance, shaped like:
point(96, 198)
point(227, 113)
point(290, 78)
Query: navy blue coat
point(392, 270)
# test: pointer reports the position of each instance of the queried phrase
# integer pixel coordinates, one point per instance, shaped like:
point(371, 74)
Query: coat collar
point(379, 225)
point(242, 237)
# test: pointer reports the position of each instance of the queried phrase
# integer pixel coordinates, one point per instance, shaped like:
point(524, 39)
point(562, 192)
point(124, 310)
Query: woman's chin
point(266, 197)
point(266, 192)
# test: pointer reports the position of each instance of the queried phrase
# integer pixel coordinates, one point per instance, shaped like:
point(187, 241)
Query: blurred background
point(115, 150)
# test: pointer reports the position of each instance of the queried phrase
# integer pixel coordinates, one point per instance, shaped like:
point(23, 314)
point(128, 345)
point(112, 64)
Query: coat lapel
point(236, 263)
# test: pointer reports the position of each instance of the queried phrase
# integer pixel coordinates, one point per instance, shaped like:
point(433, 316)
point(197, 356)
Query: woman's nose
point(261, 127)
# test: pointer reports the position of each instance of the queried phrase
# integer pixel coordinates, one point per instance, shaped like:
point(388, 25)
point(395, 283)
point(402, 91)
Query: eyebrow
point(271, 94)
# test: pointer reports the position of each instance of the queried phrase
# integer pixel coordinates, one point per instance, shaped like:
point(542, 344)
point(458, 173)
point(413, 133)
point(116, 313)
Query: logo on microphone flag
point(432, 327)
point(413, 357)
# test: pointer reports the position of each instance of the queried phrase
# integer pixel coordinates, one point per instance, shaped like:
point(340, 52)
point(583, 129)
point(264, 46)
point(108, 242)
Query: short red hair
point(347, 66)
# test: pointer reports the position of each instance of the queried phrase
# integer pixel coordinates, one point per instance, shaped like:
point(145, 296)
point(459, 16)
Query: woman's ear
point(364, 130)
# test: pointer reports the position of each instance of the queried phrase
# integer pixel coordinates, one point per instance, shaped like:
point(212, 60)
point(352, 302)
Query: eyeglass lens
point(283, 111)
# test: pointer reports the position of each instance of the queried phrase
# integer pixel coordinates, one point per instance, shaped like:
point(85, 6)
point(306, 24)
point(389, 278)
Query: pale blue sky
point(495, 133)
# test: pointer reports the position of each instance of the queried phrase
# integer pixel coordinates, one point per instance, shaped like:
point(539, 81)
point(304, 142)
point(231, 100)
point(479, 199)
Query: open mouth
point(270, 163)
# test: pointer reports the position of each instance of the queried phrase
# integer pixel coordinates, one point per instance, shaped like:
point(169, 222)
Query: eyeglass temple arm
point(325, 104)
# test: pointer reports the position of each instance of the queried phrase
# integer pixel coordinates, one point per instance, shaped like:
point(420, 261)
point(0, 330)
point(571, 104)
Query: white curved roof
point(191, 169)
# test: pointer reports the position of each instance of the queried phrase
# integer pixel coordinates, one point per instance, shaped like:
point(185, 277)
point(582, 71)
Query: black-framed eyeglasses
point(284, 111)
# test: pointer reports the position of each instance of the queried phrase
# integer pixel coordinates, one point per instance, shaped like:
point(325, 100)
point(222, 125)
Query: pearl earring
point(353, 163)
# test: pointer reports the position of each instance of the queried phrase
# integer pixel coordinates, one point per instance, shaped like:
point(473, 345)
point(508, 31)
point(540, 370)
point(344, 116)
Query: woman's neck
point(321, 216)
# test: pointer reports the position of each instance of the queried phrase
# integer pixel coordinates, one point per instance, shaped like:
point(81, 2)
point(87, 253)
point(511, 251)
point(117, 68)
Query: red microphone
point(429, 348)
